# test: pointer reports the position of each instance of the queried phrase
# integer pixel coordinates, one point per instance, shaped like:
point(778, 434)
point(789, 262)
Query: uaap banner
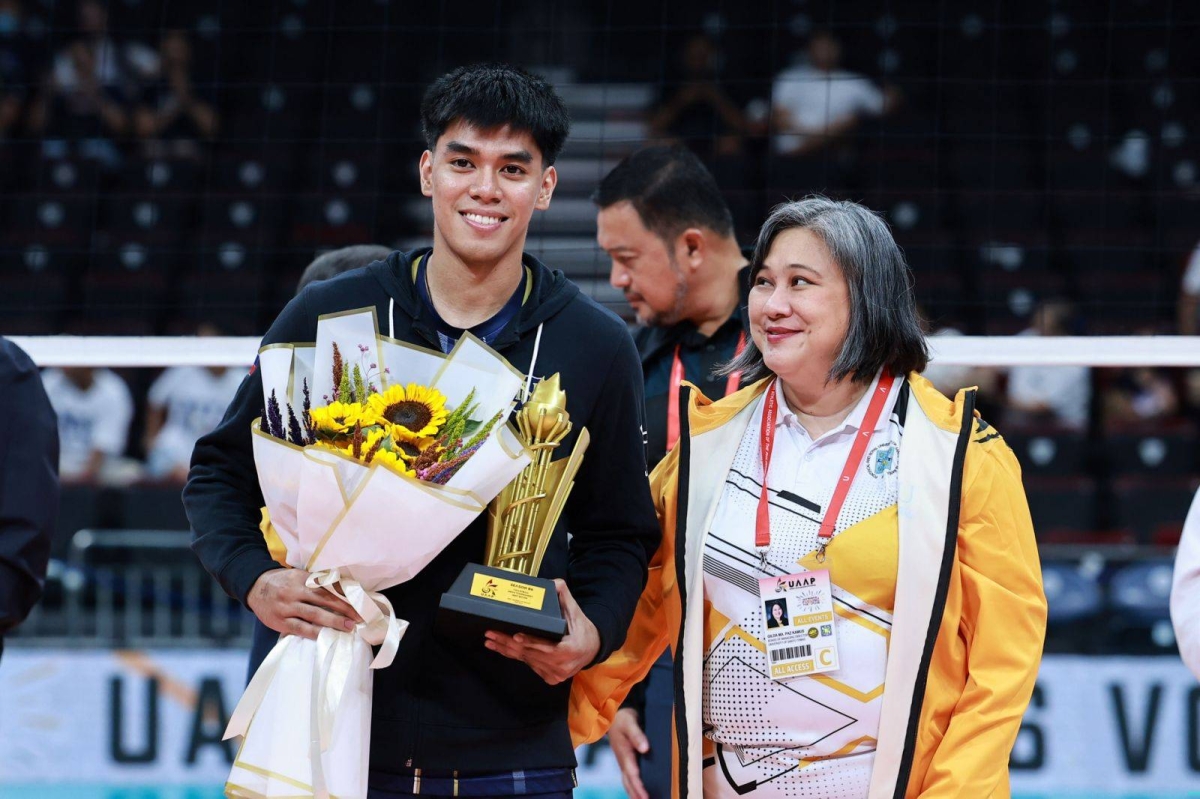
point(141, 719)
point(1097, 727)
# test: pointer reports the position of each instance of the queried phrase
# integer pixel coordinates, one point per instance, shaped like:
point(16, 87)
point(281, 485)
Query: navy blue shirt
point(448, 335)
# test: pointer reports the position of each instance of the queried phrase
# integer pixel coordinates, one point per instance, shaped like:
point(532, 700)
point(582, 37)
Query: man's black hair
point(670, 189)
point(488, 96)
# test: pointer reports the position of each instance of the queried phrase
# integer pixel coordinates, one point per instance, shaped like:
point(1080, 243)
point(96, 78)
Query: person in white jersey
point(816, 103)
point(94, 410)
point(891, 519)
point(184, 403)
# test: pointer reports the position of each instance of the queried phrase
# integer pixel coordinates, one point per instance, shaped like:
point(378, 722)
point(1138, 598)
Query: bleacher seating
point(1062, 503)
point(1075, 600)
point(1153, 507)
point(996, 172)
point(1139, 599)
point(318, 127)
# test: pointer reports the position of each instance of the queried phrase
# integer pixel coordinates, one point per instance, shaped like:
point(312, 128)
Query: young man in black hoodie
point(451, 717)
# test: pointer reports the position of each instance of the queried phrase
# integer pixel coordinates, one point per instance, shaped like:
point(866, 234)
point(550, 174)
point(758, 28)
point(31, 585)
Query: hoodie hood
point(550, 293)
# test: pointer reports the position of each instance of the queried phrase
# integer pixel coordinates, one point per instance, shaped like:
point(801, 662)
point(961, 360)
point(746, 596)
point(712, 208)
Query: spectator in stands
point(1056, 394)
point(184, 403)
point(14, 67)
point(171, 112)
point(695, 109)
point(335, 262)
point(83, 111)
point(117, 66)
point(699, 112)
point(815, 103)
point(94, 410)
point(28, 485)
point(85, 101)
point(1140, 395)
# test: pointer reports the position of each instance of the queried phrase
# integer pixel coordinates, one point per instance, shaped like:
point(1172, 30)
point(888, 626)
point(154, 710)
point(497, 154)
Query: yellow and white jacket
point(969, 619)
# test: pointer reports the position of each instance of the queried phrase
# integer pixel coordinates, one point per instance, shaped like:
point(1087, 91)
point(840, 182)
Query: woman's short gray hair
point(885, 329)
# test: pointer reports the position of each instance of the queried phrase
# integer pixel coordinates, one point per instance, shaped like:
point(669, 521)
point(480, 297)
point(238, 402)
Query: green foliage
point(484, 431)
point(360, 387)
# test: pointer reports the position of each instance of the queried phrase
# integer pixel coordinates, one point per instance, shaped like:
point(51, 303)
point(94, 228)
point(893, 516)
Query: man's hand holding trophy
point(521, 615)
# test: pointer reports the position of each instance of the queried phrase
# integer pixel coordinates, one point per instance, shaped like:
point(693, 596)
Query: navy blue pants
point(660, 695)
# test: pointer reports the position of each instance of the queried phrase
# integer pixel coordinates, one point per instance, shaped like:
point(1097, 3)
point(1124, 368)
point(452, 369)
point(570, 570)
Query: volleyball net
point(983, 351)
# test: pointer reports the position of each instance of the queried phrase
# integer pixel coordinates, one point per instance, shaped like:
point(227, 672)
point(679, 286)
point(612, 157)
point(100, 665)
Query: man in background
point(28, 485)
point(663, 221)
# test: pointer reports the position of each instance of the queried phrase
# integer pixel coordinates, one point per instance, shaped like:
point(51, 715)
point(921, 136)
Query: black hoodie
point(28, 484)
point(446, 705)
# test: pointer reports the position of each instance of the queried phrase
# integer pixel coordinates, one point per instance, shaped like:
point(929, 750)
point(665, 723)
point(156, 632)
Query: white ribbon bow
point(335, 649)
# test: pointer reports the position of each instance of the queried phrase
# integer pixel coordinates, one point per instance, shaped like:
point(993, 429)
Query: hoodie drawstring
point(537, 343)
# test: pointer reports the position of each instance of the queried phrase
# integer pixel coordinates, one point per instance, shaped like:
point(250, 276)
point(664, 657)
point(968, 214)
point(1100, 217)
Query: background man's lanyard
point(731, 385)
point(762, 521)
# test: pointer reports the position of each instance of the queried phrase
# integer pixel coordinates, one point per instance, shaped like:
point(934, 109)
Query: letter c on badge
point(826, 657)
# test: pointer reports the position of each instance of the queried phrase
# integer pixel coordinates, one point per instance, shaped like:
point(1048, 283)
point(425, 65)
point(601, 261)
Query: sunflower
point(337, 417)
point(387, 454)
point(389, 460)
point(407, 446)
point(418, 410)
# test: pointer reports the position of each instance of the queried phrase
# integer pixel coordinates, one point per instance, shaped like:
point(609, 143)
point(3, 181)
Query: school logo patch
point(884, 459)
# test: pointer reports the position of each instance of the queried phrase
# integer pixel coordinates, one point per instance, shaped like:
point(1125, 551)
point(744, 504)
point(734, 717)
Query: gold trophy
point(506, 594)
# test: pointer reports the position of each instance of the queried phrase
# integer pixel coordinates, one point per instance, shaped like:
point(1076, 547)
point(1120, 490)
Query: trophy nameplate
point(506, 594)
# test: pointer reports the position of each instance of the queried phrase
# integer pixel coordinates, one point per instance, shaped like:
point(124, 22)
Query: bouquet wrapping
point(362, 495)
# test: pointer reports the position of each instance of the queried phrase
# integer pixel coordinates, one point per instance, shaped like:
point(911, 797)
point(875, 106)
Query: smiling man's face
point(485, 186)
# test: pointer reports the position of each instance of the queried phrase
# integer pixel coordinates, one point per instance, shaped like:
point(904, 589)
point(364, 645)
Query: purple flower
point(275, 418)
point(295, 434)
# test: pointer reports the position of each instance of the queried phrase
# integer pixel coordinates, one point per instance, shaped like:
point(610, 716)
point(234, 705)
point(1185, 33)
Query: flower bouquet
point(369, 466)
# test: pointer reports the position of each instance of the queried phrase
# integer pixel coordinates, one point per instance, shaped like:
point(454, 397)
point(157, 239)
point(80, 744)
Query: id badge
point(799, 624)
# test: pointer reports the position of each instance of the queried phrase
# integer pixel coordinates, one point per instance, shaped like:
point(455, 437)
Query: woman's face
point(777, 612)
point(799, 307)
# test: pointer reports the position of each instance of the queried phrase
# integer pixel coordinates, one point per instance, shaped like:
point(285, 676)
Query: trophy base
point(485, 598)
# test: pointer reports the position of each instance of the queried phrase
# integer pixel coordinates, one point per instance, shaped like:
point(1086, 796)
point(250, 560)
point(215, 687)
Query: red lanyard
point(731, 385)
point(762, 521)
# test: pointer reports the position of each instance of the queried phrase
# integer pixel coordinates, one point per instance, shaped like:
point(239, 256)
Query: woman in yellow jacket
point(910, 506)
